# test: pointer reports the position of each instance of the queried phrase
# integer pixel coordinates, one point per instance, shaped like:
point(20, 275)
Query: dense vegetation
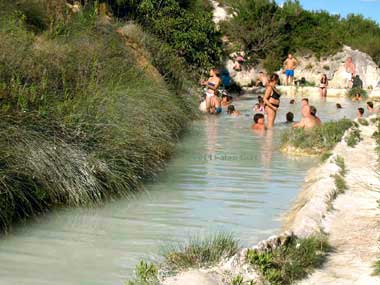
point(319, 139)
point(285, 264)
point(268, 32)
point(185, 25)
point(87, 112)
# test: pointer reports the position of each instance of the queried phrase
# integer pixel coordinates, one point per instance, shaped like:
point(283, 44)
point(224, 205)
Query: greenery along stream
point(85, 113)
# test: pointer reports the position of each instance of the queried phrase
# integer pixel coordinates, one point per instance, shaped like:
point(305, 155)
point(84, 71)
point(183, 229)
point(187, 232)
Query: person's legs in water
point(208, 101)
point(271, 117)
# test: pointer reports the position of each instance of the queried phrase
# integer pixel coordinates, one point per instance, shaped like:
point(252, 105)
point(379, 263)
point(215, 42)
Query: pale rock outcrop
point(333, 66)
point(312, 68)
point(220, 13)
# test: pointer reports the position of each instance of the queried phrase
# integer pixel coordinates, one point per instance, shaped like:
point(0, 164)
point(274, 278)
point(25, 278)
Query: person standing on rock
point(290, 65)
point(350, 72)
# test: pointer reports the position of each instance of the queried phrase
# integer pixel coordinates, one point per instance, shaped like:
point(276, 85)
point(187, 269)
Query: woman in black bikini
point(272, 99)
point(323, 86)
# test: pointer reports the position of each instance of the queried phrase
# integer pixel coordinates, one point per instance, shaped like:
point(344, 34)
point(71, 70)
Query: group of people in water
point(266, 108)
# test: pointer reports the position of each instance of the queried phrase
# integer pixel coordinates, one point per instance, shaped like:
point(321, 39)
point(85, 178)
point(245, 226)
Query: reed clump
point(82, 119)
point(317, 140)
point(291, 262)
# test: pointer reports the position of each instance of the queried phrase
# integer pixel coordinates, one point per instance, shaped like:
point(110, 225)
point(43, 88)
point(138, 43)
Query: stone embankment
point(349, 218)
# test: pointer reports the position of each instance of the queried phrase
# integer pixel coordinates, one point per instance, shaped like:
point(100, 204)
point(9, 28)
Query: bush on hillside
point(185, 25)
point(262, 27)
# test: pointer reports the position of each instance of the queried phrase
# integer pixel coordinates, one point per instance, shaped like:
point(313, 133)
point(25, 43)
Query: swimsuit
point(218, 110)
point(289, 72)
point(275, 95)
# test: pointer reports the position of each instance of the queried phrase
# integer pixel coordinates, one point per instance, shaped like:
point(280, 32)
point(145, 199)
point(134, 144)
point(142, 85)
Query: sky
point(368, 8)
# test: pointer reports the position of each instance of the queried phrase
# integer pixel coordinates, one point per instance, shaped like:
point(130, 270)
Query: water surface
point(223, 178)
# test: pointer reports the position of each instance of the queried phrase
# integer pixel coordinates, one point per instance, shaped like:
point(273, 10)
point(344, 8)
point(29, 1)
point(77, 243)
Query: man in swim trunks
point(350, 72)
point(290, 65)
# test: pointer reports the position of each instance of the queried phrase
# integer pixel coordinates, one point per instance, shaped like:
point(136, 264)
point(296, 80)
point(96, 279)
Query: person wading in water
point(323, 86)
point(212, 85)
point(272, 99)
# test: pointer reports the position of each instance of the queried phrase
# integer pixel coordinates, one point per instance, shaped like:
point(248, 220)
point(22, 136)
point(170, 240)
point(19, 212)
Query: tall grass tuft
point(199, 252)
point(377, 268)
point(84, 116)
point(286, 264)
point(319, 139)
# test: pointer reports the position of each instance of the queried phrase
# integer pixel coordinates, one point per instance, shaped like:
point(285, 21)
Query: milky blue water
point(223, 177)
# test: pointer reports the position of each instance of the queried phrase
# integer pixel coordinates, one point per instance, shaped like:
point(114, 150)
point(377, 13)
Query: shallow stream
point(222, 178)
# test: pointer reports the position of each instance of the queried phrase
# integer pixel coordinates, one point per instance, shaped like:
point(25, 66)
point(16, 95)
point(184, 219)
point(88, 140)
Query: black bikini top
point(276, 95)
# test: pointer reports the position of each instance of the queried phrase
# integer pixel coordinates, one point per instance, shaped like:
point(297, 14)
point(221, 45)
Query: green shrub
point(186, 26)
point(146, 274)
point(339, 160)
point(286, 264)
point(318, 139)
point(340, 183)
point(357, 90)
point(200, 252)
point(325, 156)
point(237, 280)
point(363, 122)
point(353, 137)
point(377, 268)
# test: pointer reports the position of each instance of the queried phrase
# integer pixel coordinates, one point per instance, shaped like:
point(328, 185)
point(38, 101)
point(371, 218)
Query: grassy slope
point(81, 118)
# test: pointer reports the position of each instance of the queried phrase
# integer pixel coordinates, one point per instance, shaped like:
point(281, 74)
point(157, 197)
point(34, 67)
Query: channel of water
point(223, 177)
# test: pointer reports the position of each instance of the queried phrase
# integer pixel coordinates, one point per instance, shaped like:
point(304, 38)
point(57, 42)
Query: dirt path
point(354, 224)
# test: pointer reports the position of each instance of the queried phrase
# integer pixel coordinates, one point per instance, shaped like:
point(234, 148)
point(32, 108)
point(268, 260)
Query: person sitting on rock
point(357, 82)
point(308, 121)
point(259, 124)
